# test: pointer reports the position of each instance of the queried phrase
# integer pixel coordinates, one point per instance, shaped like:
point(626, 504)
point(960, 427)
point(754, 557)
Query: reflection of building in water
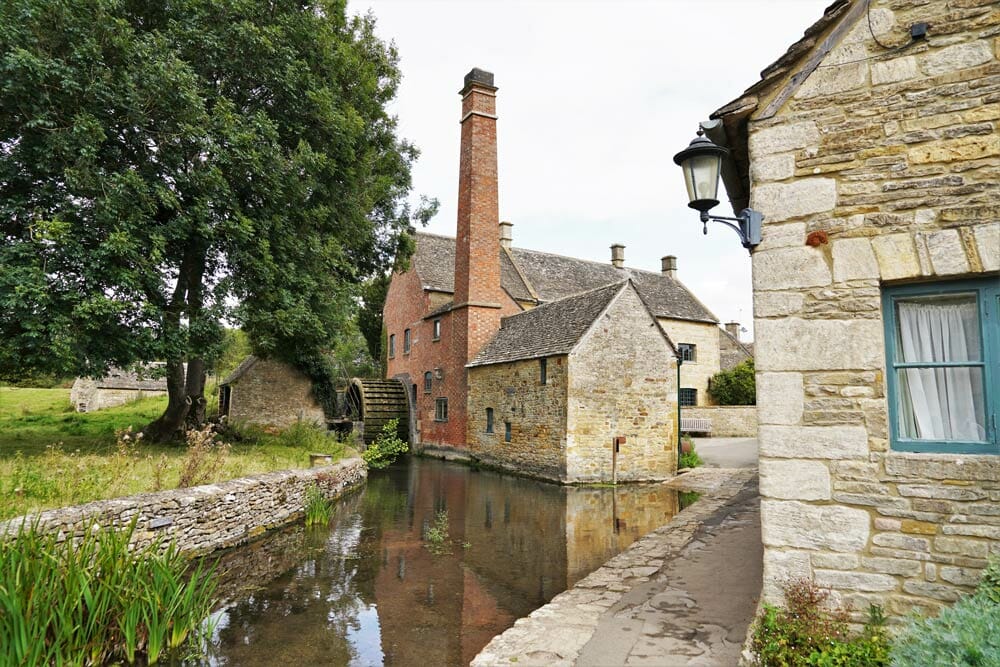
point(515, 544)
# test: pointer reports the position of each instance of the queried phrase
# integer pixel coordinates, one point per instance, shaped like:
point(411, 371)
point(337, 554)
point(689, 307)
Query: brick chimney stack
point(477, 245)
point(733, 329)
point(618, 255)
point(668, 266)
point(506, 234)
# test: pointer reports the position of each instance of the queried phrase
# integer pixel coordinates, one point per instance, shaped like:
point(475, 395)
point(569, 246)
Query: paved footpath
point(682, 595)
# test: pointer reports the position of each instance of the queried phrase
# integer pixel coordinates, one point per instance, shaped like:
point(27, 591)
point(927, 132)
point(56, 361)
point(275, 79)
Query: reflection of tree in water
point(316, 613)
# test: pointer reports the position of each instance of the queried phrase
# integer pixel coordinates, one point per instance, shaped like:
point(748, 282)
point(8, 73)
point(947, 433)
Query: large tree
point(170, 165)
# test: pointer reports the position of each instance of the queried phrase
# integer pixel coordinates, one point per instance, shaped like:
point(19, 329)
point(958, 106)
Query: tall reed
point(317, 507)
point(97, 601)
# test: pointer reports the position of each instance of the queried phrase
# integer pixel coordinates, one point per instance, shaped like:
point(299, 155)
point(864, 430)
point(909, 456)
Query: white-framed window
point(436, 329)
point(688, 351)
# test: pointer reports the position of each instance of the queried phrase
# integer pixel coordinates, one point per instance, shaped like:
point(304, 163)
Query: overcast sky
point(595, 99)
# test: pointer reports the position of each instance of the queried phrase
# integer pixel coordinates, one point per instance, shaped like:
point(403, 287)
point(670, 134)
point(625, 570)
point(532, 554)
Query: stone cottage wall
point(202, 519)
point(273, 393)
point(705, 336)
point(536, 412)
point(622, 382)
point(86, 396)
point(895, 156)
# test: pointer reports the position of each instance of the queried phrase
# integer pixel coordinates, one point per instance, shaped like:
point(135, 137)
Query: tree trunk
point(195, 390)
point(170, 425)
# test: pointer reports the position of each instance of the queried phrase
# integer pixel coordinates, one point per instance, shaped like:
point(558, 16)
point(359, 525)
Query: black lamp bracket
point(748, 225)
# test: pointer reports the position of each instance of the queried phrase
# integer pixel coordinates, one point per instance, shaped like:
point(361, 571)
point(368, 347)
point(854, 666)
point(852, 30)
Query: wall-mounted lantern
point(701, 163)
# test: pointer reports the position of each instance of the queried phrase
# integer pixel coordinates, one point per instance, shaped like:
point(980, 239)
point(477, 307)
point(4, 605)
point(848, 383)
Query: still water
point(422, 567)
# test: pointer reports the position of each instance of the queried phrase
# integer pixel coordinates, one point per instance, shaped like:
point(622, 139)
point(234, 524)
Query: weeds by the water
point(437, 537)
point(388, 446)
point(204, 459)
point(97, 601)
point(318, 509)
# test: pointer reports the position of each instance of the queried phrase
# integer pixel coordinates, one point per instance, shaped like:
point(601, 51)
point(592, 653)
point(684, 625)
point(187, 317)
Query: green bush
point(803, 634)
point(734, 387)
point(689, 459)
point(386, 448)
point(98, 601)
point(966, 634)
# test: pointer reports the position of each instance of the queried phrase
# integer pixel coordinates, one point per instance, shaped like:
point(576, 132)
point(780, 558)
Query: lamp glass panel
point(701, 175)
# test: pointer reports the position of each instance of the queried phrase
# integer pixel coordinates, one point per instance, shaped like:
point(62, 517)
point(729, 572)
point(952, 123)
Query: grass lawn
point(51, 455)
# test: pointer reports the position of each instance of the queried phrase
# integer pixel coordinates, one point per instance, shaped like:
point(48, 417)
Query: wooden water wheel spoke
point(376, 402)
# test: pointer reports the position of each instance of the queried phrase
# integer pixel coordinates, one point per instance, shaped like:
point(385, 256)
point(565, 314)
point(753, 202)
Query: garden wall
point(728, 421)
point(202, 519)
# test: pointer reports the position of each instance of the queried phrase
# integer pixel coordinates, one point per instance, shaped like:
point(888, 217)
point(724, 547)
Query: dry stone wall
point(202, 519)
point(895, 157)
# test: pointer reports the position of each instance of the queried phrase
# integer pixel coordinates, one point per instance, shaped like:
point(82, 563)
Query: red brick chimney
point(477, 245)
point(478, 296)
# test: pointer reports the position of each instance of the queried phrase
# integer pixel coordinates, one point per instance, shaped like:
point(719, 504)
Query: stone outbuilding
point(268, 393)
point(873, 149)
point(577, 390)
point(118, 387)
point(447, 306)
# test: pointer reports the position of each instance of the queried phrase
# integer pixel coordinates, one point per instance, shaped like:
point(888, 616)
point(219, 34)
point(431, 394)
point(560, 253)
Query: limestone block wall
point(86, 396)
point(274, 394)
point(728, 421)
point(622, 382)
point(536, 413)
point(895, 156)
point(202, 519)
point(705, 336)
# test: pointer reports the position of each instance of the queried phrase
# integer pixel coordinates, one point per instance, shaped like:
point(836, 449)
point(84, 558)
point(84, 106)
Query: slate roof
point(553, 277)
point(552, 328)
point(238, 372)
point(118, 378)
point(732, 352)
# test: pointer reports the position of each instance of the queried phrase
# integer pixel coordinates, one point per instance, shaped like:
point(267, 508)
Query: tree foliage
point(166, 167)
point(734, 387)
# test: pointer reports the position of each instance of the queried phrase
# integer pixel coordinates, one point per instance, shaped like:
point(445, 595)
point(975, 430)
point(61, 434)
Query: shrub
point(804, 634)
point(386, 448)
point(98, 601)
point(734, 387)
point(689, 459)
point(967, 633)
point(317, 507)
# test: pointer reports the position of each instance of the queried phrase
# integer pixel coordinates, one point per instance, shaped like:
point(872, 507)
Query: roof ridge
point(547, 304)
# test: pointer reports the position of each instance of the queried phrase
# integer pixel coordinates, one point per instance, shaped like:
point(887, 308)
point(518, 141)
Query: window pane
point(688, 397)
point(937, 328)
point(941, 404)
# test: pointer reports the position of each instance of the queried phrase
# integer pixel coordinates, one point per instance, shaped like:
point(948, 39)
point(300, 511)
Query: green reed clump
point(97, 601)
point(317, 507)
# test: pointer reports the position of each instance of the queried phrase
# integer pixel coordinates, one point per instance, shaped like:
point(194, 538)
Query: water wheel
point(376, 402)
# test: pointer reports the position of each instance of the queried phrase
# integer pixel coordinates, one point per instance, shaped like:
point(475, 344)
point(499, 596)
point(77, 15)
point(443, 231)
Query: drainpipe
point(679, 362)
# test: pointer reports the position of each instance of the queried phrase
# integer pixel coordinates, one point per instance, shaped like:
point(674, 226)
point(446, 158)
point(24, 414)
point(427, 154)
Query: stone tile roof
point(244, 366)
point(552, 328)
point(553, 277)
point(731, 351)
point(144, 379)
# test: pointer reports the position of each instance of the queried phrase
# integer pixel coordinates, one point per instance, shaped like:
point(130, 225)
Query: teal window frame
point(987, 292)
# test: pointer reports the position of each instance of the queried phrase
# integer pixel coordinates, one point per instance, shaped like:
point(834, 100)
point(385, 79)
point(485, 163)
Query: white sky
point(595, 99)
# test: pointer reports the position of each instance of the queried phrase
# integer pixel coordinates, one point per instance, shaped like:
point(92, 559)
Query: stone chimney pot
point(668, 266)
point(506, 233)
point(618, 255)
point(733, 329)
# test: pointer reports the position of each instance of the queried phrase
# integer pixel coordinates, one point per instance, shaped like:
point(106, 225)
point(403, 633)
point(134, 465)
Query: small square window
point(441, 410)
point(688, 397)
point(428, 382)
point(489, 420)
point(437, 329)
point(543, 371)
point(392, 345)
point(688, 351)
point(506, 431)
point(406, 341)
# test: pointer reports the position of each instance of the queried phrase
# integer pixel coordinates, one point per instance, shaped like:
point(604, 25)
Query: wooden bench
point(690, 425)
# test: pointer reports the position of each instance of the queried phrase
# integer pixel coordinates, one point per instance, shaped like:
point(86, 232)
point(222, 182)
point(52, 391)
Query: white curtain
point(940, 403)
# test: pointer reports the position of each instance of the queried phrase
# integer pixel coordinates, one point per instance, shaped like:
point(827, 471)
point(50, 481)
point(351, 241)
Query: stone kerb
point(202, 519)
